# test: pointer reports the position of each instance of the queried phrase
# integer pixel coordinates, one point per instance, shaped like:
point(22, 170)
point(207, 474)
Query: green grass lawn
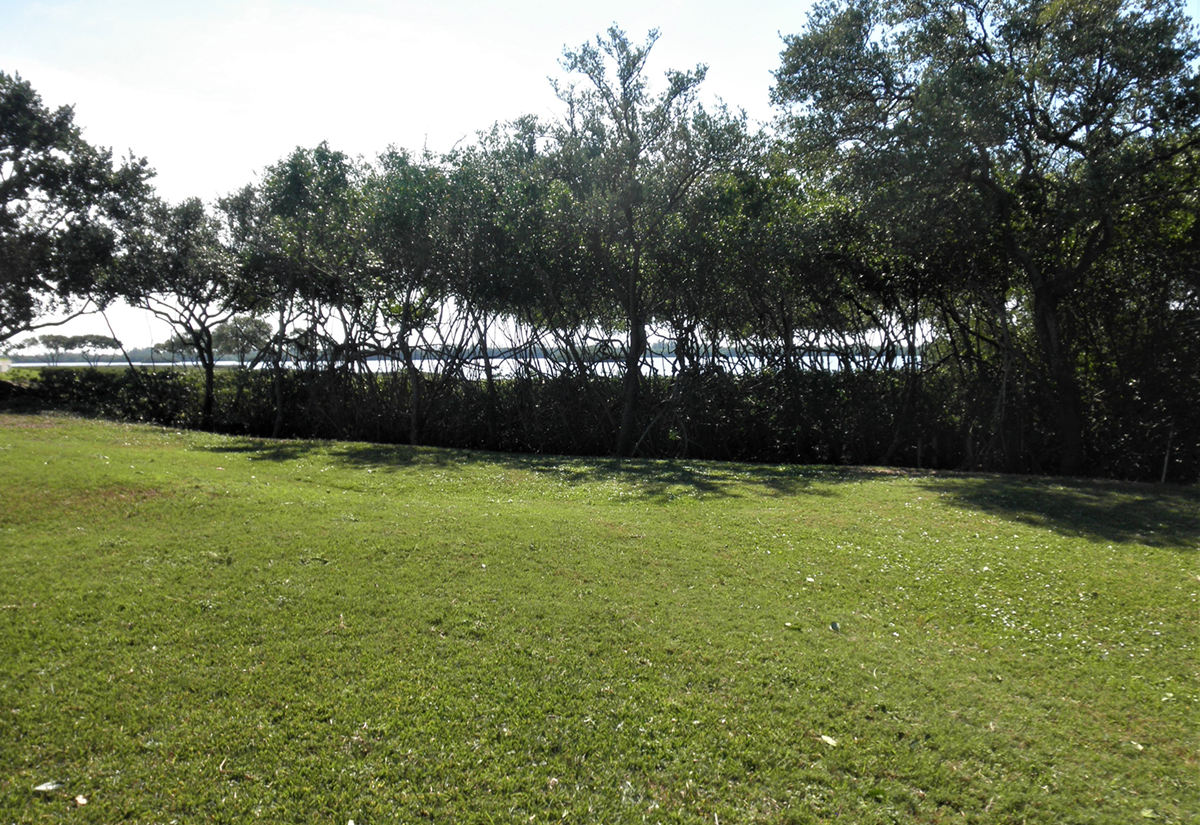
point(196, 628)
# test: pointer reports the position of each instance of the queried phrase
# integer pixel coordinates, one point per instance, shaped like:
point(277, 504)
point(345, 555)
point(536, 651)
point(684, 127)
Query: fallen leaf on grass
point(830, 741)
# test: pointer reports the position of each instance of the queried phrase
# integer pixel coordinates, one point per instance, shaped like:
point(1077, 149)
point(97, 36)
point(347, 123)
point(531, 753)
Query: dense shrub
point(168, 397)
point(818, 417)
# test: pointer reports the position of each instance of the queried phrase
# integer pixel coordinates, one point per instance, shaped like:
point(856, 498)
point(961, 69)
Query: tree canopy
point(63, 205)
point(971, 240)
point(1035, 128)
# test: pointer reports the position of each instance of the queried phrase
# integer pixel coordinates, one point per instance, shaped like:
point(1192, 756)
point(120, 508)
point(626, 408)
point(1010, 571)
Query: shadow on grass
point(380, 457)
point(653, 480)
point(1103, 510)
point(1158, 516)
point(665, 479)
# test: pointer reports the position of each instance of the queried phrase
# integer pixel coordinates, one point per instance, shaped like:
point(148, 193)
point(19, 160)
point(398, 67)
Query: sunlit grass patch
point(196, 627)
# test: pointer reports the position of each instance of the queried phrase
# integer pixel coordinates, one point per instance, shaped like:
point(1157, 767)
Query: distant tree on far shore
point(55, 346)
point(241, 336)
point(92, 347)
point(175, 347)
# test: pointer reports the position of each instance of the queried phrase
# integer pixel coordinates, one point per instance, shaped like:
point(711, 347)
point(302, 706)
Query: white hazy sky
point(213, 91)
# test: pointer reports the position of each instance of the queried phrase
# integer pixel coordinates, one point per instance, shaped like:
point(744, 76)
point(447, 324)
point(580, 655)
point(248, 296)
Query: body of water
point(502, 367)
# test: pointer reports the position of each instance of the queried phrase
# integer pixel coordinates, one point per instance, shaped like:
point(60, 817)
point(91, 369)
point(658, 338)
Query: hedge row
point(887, 418)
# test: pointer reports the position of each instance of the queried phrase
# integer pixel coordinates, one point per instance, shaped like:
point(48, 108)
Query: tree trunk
point(633, 384)
point(637, 344)
point(202, 341)
point(910, 394)
point(206, 417)
point(415, 393)
point(489, 384)
point(1069, 418)
point(277, 373)
point(277, 391)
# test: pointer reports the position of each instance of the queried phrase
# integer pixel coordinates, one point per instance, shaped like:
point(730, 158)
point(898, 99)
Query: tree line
point(240, 339)
point(970, 241)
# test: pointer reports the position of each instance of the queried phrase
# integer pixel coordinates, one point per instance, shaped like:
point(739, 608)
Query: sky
point(211, 93)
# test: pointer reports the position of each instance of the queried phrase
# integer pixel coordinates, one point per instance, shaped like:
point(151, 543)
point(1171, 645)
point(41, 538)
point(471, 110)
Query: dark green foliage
point(180, 269)
point(92, 346)
point(63, 204)
point(806, 417)
point(976, 249)
point(241, 337)
point(1004, 156)
point(168, 397)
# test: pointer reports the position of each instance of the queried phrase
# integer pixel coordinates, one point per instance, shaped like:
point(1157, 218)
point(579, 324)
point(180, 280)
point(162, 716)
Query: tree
point(534, 265)
point(266, 276)
point(175, 346)
point(55, 345)
point(179, 269)
point(1046, 119)
point(298, 240)
point(62, 207)
point(404, 201)
point(91, 346)
point(630, 160)
point(501, 259)
point(241, 336)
